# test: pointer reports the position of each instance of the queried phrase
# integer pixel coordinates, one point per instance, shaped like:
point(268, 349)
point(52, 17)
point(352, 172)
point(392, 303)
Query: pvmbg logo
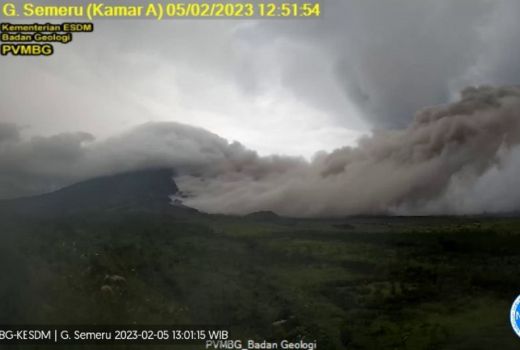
point(515, 316)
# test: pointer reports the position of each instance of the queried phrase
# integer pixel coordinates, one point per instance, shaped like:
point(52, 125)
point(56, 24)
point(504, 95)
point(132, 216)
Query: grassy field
point(358, 283)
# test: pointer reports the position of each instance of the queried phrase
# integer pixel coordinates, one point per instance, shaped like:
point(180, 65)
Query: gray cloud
point(447, 152)
point(394, 57)
point(282, 87)
point(41, 164)
point(363, 61)
point(9, 133)
point(453, 158)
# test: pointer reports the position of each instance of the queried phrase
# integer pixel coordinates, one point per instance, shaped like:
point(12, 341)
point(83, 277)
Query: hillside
point(358, 283)
point(144, 190)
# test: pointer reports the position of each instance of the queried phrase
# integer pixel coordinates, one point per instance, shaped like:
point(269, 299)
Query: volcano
point(143, 190)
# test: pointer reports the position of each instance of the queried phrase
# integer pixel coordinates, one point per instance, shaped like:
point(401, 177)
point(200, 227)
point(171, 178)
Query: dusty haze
point(460, 158)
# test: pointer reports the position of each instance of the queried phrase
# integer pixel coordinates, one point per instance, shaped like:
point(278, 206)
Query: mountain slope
point(147, 190)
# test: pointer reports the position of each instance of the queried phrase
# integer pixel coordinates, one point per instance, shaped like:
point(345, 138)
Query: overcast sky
point(277, 86)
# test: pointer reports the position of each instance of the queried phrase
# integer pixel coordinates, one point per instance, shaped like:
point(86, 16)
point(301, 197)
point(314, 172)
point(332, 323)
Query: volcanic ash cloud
point(453, 159)
point(461, 158)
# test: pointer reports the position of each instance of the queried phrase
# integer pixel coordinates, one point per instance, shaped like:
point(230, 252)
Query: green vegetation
point(359, 283)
